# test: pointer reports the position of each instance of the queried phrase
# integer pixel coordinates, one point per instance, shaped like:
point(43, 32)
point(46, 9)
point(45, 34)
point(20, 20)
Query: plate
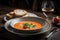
point(32, 15)
point(12, 30)
point(28, 15)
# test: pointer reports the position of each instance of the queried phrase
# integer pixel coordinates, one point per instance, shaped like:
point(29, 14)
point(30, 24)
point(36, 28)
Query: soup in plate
point(27, 25)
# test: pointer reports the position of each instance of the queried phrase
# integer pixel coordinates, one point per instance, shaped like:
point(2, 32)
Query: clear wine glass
point(47, 7)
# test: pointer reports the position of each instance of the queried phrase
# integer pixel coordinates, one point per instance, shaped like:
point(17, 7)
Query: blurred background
point(29, 4)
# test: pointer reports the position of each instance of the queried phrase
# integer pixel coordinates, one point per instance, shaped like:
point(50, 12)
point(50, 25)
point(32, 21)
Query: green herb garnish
point(28, 25)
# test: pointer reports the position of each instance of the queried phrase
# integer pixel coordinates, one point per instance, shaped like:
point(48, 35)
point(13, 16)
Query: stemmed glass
point(47, 7)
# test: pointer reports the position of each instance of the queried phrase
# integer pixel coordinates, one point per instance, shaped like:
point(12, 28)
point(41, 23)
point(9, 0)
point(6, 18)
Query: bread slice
point(19, 12)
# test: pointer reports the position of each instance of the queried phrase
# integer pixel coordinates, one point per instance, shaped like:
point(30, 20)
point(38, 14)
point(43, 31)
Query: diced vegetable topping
point(28, 25)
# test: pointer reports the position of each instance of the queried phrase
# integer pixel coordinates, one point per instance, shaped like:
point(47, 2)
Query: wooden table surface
point(4, 10)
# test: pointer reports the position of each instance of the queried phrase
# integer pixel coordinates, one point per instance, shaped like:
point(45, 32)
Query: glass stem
point(45, 15)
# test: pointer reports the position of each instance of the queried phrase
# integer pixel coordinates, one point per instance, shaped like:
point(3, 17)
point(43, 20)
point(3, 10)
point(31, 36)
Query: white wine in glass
point(48, 10)
point(47, 7)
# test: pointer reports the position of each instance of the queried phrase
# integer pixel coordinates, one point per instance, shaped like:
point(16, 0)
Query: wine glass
point(47, 7)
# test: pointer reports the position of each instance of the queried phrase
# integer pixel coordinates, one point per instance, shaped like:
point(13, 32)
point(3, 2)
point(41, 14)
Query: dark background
point(29, 4)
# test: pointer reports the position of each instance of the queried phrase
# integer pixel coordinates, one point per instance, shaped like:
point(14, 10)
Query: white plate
point(31, 15)
point(28, 15)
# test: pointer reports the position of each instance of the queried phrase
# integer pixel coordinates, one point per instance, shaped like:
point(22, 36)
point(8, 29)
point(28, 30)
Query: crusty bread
point(19, 12)
point(11, 13)
point(8, 16)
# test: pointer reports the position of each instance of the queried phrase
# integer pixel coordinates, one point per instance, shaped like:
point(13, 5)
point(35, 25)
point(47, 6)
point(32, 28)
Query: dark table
point(7, 35)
